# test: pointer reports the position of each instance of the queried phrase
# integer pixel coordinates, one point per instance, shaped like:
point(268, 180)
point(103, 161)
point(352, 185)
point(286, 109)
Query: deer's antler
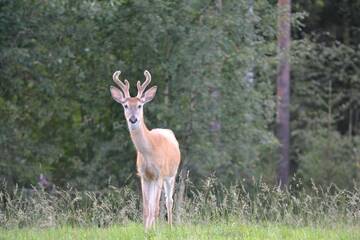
point(141, 87)
point(124, 87)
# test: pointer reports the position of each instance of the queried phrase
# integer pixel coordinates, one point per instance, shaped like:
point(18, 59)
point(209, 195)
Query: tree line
point(215, 71)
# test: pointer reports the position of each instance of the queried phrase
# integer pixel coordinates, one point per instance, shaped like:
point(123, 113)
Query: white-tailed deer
point(158, 154)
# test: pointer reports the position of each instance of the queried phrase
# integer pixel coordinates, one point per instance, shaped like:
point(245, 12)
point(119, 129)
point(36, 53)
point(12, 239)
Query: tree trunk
point(283, 91)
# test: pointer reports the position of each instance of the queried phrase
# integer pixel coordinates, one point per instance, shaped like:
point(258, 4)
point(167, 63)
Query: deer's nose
point(133, 119)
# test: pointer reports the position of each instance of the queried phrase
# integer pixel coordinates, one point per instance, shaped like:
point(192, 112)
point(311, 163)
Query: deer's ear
point(117, 95)
point(149, 94)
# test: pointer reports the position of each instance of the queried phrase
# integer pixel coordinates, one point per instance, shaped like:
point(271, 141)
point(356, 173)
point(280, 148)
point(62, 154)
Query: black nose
point(133, 119)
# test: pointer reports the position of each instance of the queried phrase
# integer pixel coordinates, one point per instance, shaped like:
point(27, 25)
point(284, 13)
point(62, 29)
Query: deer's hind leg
point(158, 196)
point(169, 185)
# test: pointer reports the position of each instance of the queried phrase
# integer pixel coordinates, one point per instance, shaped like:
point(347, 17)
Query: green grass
point(207, 212)
point(200, 231)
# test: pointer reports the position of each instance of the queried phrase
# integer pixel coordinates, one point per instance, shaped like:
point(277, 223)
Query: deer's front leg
point(151, 191)
point(145, 198)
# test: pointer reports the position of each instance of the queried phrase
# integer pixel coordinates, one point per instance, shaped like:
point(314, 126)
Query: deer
point(158, 153)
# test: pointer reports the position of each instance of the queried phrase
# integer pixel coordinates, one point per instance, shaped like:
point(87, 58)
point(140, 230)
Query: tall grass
point(193, 204)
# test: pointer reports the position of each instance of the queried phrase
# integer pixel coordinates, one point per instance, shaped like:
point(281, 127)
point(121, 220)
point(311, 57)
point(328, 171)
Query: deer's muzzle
point(133, 119)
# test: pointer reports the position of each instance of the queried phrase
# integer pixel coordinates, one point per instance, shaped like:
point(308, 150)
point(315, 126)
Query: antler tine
point(124, 87)
point(141, 87)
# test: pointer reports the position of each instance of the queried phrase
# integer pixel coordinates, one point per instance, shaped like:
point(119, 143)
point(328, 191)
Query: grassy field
point(211, 231)
point(207, 212)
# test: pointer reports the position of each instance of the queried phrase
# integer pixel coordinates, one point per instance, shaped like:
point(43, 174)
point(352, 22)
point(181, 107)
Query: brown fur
point(158, 154)
point(161, 161)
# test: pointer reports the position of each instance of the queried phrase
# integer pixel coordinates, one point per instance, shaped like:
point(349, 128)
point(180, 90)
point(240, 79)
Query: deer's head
point(133, 106)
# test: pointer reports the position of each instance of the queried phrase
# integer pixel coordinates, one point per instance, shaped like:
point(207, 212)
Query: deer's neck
point(141, 139)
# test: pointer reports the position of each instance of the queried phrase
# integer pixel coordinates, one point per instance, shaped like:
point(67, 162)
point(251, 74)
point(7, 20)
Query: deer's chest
point(147, 168)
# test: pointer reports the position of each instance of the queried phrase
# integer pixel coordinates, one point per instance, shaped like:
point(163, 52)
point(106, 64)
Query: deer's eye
point(139, 106)
point(126, 106)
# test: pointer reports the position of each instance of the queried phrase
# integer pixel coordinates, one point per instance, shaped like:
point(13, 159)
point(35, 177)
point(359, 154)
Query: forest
point(215, 64)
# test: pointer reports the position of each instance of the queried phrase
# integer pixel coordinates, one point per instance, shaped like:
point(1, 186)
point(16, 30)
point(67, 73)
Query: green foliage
point(325, 108)
point(329, 157)
point(57, 116)
point(56, 65)
point(339, 20)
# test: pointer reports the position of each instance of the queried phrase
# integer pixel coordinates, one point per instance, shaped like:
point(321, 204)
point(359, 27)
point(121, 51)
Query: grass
point(210, 211)
point(199, 231)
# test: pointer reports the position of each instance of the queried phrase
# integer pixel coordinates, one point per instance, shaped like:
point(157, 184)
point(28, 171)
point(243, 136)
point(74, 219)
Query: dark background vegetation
point(216, 74)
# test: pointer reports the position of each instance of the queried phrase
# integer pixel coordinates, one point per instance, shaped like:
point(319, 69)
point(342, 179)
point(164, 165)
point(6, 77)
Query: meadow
point(210, 211)
point(230, 230)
